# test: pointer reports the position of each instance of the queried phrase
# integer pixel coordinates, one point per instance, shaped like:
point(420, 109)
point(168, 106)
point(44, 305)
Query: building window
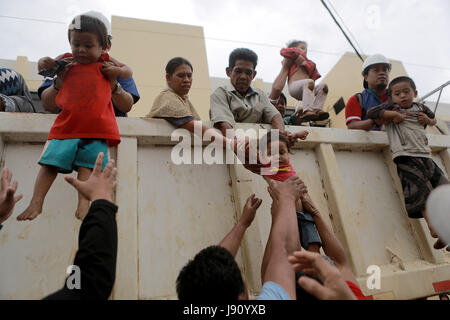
point(339, 105)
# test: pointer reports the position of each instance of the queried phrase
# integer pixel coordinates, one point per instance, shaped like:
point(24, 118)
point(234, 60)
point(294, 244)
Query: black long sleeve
point(96, 256)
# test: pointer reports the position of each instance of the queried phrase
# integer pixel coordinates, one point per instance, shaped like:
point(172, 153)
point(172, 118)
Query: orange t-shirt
point(282, 173)
point(87, 110)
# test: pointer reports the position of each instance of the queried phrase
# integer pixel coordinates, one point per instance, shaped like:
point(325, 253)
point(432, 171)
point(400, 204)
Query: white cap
point(102, 18)
point(375, 59)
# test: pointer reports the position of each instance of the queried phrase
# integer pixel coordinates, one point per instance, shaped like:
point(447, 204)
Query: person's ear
point(415, 93)
point(228, 70)
point(168, 77)
point(254, 74)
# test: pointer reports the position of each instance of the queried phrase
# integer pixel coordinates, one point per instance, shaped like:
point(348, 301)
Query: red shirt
point(357, 291)
point(87, 110)
point(282, 173)
point(353, 110)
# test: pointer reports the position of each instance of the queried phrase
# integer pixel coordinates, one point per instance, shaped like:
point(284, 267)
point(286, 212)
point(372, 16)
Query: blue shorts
point(273, 291)
point(307, 229)
point(69, 154)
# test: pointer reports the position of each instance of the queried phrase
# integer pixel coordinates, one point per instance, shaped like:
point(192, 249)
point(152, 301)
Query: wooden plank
point(127, 277)
point(339, 206)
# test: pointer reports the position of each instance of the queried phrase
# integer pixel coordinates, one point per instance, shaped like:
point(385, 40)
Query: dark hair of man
point(174, 63)
point(295, 43)
point(213, 275)
point(399, 80)
point(242, 54)
point(84, 23)
point(302, 294)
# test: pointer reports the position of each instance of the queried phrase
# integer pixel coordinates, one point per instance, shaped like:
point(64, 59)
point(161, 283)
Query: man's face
point(241, 75)
point(281, 106)
point(378, 76)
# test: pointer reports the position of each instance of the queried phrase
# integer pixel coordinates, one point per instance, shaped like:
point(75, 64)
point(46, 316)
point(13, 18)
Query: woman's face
point(180, 80)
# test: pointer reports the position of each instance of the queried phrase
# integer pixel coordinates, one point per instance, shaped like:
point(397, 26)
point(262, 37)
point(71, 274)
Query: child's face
point(303, 47)
point(282, 157)
point(85, 47)
point(403, 94)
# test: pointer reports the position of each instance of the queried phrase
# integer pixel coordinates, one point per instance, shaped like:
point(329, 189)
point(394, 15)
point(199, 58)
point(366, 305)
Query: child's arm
point(427, 117)
point(385, 113)
point(330, 244)
point(123, 71)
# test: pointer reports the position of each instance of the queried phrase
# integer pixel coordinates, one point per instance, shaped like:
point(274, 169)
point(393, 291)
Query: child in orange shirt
point(281, 169)
point(86, 124)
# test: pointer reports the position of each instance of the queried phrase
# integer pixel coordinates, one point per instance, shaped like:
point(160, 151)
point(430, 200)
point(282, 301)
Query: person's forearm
point(279, 83)
point(123, 101)
point(223, 127)
point(361, 125)
point(278, 123)
point(96, 256)
point(330, 244)
point(48, 97)
point(97, 251)
point(284, 235)
point(432, 122)
point(233, 239)
point(125, 72)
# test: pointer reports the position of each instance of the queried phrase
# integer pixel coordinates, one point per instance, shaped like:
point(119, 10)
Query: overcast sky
point(412, 31)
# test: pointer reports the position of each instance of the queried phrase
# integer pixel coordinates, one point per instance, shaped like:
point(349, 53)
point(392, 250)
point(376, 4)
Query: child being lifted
point(405, 122)
point(301, 83)
point(86, 124)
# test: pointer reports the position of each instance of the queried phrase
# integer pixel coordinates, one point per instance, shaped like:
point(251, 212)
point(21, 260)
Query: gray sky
point(415, 32)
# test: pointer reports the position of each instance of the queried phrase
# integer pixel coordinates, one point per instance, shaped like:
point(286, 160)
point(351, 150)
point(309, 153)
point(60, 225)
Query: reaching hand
point(308, 205)
point(110, 70)
point(7, 191)
point(334, 286)
point(399, 117)
point(423, 118)
point(249, 211)
point(46, 63)
point(100, 185)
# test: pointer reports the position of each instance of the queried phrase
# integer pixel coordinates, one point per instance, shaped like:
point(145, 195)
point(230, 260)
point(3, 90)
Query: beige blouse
point(170, 105)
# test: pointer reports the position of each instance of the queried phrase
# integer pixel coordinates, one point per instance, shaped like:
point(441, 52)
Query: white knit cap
point(102, 18)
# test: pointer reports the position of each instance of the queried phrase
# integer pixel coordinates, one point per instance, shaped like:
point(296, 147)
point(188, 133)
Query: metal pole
point(348, 39)
point(437, 102)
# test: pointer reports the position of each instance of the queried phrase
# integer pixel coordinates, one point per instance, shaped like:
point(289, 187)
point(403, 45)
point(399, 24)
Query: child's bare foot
point(33, 210)
point(82, 210)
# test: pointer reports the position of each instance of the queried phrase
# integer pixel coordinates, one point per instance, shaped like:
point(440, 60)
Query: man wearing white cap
point(375, 71)
point(125, 93)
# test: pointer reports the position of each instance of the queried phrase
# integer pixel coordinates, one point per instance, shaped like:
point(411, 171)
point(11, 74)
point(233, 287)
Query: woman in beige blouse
point(173, 104)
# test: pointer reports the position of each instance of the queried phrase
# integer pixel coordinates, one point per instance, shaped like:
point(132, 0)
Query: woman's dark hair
point(82, 23)
point(175, 63)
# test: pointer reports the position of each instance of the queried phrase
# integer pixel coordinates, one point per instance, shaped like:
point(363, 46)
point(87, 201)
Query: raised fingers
point(98, 165)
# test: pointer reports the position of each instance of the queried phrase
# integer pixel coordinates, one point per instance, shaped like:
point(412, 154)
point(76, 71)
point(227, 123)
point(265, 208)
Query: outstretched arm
point(284, 237)
point(330, 243)
point(233, 239)
point(97, 253)
point(280, 80)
